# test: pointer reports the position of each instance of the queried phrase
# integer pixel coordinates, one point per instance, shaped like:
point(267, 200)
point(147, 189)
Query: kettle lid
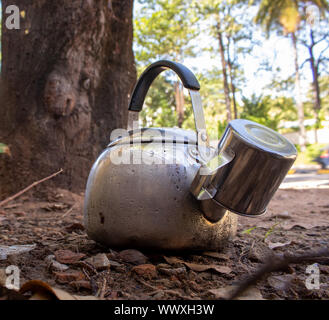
point(149, 135)
point(263, 138)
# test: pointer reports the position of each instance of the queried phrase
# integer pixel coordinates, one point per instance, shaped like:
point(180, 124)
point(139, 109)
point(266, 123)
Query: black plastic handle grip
point(144, 82)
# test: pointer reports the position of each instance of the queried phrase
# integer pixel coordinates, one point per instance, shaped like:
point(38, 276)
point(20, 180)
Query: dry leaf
point(205, 267)
point(132, 256)
point(69, 276)
point(173, 260)
point(43, 291)
point(225, 292)
point(68, 256)
point(199, 267)
point(172, 271)
point(99, 261)
point(6, 251)
point(274, 245)
point(217, 255)
point(147, 271)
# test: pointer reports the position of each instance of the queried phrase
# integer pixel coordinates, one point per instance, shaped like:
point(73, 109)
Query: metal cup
point(260, 158)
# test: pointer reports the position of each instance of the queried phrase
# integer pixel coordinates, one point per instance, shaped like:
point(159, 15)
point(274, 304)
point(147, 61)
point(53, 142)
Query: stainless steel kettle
point(167, 188)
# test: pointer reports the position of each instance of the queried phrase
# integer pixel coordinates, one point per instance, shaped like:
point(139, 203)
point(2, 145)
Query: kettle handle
point(189, 81)
point(144, 82)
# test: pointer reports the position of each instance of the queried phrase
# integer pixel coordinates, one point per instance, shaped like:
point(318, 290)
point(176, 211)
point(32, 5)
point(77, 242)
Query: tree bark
point(65, 84)
point(233, 89)
point(230, 71)
point(224, 70)
point(299, 102)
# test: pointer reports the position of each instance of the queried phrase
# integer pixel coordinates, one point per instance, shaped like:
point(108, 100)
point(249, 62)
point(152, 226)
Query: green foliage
point(268, 111)
point(324, 89)
point(159, 109)
point(248, 231)
point(176, 30)
point(284, 13)
point(163, 30)
point(213, 101)
point(314, 150)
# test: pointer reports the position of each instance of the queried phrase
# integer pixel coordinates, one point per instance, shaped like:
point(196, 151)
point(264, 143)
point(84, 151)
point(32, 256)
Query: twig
point(4, 202)
point(68, 211)
point(102, 291)
point(277, 264)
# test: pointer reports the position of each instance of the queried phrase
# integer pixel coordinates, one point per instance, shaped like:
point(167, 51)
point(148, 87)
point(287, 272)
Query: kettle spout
point(251, 162)
point(204, 184)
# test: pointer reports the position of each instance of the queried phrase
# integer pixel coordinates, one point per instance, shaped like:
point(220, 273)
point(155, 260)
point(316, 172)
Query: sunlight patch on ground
point(306, 181)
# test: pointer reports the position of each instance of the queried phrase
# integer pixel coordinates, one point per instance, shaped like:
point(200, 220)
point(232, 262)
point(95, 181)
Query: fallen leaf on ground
point(199, 267)
point(99, 262)
point(206, 267)
point(147, 271)
point(225, 292)
point(274, 245)
point(43, 291)
point(172, 271)
point(173, 260)
point(6, 251)
point(55, 265)
point(81, 284)
point(69, 276)
point(68, 256)
point(132, 256)
point(217, 255)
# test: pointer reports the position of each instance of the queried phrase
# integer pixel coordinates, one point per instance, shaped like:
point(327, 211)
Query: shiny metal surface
point(199, 120)
point(150, 206)
point(165, 188)
point(246, 183)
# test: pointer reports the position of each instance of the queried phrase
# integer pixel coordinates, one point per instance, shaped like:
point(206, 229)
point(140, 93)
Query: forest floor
point(63, 256)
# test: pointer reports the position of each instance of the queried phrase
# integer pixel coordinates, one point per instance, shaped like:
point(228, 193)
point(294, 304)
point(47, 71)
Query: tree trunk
point(224, 68)
point(233, 89)
point(316, 87)
point(65, 83)
point(299, 102)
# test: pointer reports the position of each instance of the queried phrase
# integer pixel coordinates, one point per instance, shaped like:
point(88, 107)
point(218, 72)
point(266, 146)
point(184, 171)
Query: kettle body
point(149, 205)
point(166, 188)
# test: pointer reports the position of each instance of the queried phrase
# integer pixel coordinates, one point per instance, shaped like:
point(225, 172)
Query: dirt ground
point(296, 222)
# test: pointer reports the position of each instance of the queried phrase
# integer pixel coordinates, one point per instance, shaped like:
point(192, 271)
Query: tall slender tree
point(285, 13)
point(316, 33)
point(228, 28)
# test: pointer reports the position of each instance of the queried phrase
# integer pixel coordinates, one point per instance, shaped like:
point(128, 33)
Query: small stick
point(277, 264)
point(68, 211)
point(102, 292)
point(4, 202)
